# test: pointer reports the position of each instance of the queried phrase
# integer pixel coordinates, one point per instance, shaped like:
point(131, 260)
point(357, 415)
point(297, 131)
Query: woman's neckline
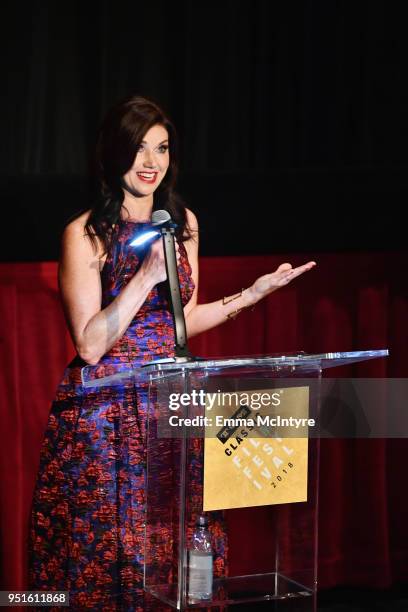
point(144, 221)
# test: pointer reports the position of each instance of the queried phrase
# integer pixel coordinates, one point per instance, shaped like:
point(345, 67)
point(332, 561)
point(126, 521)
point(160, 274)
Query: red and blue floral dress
point(88, 512)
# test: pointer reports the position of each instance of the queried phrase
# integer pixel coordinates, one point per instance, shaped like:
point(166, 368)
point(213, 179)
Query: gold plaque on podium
point(256, 456)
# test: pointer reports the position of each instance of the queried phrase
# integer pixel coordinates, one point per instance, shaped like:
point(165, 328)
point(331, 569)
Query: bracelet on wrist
point(226, 300)
point(235, 313)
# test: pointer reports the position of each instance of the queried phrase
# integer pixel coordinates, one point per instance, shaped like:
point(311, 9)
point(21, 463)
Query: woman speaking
point(86, 534)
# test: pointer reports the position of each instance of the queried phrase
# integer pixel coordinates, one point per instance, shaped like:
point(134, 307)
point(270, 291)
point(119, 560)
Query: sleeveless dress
point(87, 518)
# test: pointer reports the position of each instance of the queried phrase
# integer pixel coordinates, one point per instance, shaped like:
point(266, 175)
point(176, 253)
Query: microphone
point(164, 226)
point(160, 218)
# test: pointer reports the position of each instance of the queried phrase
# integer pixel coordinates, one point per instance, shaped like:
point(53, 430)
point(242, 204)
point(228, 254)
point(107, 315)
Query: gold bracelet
point(235, 313)
point(235, 297)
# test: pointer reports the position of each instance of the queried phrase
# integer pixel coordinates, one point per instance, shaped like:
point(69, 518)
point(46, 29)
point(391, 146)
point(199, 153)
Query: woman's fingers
point(264, 285)
point(290, 273)
point(300, 269)
point(158, 251)
point(285, 267)
point(178, 256)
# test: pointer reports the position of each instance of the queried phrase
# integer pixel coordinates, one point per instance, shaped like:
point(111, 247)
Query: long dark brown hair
point(119, 137)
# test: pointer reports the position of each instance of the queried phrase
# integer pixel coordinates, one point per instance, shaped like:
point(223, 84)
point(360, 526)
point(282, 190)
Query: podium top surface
point(99, 375)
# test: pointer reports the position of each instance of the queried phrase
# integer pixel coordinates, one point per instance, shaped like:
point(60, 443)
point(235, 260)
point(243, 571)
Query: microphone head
point(159, 217)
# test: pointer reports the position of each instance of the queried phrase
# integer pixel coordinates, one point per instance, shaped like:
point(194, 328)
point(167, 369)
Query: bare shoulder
point(192, 227)
point(77, 227)
point(191, 244)
point(191, 219)
point(76, 238)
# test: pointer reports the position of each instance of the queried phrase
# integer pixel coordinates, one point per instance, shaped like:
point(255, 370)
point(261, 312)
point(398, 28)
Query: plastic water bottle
point(200, 562)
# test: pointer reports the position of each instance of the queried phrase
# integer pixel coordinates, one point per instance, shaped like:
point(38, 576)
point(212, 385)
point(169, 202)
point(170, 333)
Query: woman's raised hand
point(264, 285)
point(154, 264)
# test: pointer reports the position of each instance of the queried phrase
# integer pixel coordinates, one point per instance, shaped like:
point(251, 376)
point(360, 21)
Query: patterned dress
point(88, 512)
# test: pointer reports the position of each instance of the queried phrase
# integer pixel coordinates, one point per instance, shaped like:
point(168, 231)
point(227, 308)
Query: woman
point(88, 506)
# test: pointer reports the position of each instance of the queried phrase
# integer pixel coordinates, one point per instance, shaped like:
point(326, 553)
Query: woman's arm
point(94, 331)
point(201, 317)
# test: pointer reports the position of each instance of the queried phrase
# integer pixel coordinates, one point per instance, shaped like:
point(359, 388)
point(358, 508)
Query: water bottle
point(200, 562)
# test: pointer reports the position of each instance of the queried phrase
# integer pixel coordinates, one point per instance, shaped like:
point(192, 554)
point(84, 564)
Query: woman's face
point(151, 162)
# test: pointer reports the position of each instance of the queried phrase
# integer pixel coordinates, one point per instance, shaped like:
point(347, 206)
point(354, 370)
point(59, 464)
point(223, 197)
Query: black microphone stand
point(180, 332)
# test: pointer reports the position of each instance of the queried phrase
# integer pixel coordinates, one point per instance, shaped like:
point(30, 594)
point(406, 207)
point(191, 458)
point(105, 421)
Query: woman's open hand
point(264, 285)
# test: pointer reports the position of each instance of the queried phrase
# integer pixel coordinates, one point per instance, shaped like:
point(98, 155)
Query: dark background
point(291, 115)
point(293, 127)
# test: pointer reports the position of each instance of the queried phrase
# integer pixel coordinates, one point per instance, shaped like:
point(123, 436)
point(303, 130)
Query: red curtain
point(349, 302)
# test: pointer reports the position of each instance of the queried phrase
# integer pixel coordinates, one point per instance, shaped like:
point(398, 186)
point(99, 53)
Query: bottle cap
point(202, 521)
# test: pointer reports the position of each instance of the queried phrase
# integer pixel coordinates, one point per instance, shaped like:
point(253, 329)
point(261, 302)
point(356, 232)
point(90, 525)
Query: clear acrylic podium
point(263, 550)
